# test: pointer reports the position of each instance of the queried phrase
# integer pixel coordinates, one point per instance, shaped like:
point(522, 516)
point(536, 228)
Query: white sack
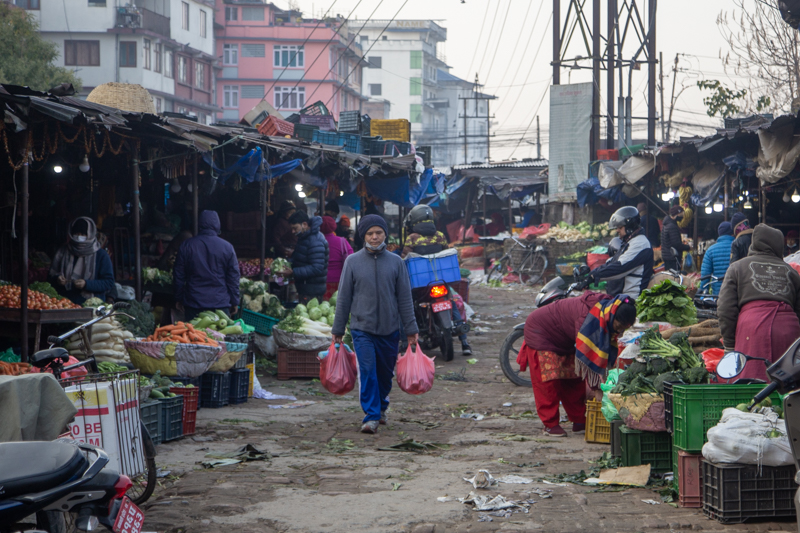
point(740, 438)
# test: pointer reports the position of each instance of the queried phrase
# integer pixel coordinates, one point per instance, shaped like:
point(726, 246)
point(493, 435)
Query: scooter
point(785, 378)
point(61, 486)
point(432, 309)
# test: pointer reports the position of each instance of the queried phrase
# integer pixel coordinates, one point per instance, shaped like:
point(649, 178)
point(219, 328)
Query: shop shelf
point(297, 364)
point(598, 429)
point(240, 381)
point(644, 447)
point(734, 493)
point(216, 389)
point(172, 416)
point(150, 413)
point(262, 323)
point(690, 485)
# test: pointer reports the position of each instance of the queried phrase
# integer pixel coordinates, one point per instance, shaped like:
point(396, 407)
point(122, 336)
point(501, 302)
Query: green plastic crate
point(645, 447)
point(698, 408)
point(675, 469)
point(262, 323)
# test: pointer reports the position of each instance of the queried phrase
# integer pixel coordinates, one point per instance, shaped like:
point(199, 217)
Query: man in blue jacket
point(718, 257)
point(206, 272)
point(310, 257)
point(375, 294)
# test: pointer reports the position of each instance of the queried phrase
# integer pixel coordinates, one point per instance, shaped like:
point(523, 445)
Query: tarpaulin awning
point(403, 190)
point(250, 167)
point(590, 192)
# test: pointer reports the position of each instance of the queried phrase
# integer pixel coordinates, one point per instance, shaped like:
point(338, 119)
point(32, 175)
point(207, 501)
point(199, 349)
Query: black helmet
point(625, 217)
point(418, 213)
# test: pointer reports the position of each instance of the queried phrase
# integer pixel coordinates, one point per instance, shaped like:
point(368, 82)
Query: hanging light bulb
point(718, 207)
point(58, 169)
point(786, 196)
point(747, 193)
point(298, 187)
point(84, 166)
point(796, 196)
point(741, 198)
point(176, 187)
point(748, 204)
point(189, 187)
point(301, 194)
point(667, 196)
point(709, 210)
point(341, 193)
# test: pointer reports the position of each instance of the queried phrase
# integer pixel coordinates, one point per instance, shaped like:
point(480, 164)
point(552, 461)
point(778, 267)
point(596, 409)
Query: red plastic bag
point(535, 231)
point(711, 357)
point(415, 371)
point(338, 370)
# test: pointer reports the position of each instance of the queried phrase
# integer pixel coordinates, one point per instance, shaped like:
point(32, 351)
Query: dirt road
point(325, 476)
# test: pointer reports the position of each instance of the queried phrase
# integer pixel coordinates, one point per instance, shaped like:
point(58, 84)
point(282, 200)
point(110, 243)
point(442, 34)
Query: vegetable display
point(700, 336)
point(45, 288)
point(14, 369)
point(280, 265)
point(10, 297)
point(581, 231)
point(256, 298)
point(181, 332)
point(144, 324)
point(154, 275)
point(108, 342)
point(313, 318)
point(666, 302)
point(216, 321)
point(161, 386)
point(248, 268)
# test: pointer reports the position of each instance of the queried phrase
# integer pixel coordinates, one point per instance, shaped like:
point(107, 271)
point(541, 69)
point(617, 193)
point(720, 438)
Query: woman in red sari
point(554, 334)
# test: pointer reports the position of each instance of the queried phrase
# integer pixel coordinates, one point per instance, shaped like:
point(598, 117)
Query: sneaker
point(383, 420)
point(371, 427)
point(578, 428)
point(466, 351)
point(555, 431)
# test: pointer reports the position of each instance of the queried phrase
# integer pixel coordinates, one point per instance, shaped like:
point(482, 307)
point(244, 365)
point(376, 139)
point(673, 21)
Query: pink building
point(267, 52)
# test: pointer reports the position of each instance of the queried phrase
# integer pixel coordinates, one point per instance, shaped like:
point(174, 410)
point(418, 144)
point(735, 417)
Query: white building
point(167, 46)
point(450, 145)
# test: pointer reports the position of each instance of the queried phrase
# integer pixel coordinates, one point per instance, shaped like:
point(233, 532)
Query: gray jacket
point(375, 292)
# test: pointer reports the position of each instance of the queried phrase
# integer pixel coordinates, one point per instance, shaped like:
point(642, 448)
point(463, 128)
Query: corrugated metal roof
point(532, 163)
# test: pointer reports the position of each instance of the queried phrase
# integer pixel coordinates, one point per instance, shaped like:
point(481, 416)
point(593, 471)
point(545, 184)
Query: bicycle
point(526, 260)
point(52, 360)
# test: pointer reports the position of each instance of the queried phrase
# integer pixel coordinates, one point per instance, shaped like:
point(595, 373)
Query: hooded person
point(310, 257)
point(206, 273)
point(672, 246)
point(759, 303)
point(375, 295)
point(339, 248)
point(280, 237)
point(81, 269)
point(717, 258)
point(743, 236)
point(790, 242)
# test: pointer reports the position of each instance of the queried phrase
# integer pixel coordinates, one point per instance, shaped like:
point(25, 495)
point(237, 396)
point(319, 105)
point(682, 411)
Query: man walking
point(375, 293)
point(310, 257)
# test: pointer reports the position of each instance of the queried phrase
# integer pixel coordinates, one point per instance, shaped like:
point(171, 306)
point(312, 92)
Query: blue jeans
point(457, 320)
point(377, 356)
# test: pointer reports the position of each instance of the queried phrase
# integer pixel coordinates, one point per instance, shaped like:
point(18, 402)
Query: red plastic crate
point(190, 397)
point(690, 479)
point(462, 288)
point(273, 126)
point(297, 364)
point(608, 155)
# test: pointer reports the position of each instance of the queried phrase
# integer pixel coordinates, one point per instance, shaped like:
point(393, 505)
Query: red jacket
point(555, 327)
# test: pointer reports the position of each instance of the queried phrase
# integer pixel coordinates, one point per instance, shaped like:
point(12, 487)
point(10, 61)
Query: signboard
point(570, 132)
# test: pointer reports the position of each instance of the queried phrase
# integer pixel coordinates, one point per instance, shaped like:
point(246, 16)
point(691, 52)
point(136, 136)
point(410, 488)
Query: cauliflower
point(246, 299)
point(253, 305)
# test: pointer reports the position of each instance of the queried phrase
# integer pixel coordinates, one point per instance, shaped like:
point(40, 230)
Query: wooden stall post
point(262, 258)
point(484, 211)
point(468, 212)
point(510, 216)
point(23, 297)
point(137, 231)
point(195, 201)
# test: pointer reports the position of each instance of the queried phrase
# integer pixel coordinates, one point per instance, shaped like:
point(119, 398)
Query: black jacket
point(310, 261)
point(671, 238)
point(741, 245)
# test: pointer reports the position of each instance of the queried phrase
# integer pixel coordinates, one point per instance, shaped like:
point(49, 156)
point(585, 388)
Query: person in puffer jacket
point(310, 257)
point(717, 258)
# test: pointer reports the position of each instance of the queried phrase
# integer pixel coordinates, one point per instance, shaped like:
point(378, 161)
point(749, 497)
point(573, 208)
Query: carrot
point(190, 327)
point(178, 331)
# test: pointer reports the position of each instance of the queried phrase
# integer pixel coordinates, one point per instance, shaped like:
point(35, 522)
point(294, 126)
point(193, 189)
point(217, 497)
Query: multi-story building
point(464, 138)
point(276, 54)
point(403, 62)
point(166, 46)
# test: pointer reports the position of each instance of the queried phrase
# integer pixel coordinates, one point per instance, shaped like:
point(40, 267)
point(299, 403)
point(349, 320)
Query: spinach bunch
point(666, 302)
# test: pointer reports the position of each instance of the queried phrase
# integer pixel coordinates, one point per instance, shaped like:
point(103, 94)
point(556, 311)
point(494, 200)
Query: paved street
point(325, 476)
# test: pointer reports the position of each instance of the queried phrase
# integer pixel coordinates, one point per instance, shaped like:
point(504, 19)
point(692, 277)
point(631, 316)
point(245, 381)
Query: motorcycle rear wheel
point(445, 341)
point(508, 359)
point(144, 483)
point(57, 522)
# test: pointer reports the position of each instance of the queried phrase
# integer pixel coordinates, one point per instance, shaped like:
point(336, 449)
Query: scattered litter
point(486, 503)
point(507, 404)
point(396, 486)
point(592, 481)
point(472, 392)
point(472, 361)
point(411, 445)
point(248, 452)
point(293, 405)
point(551, 483)
point(514, 480)
point(445, 499)
point(482, 480)
point(162, 473)
point(484, 517)
point(626, 475)
point(544, 493)
point(267, 395)
point(524, 414)
point(424, 423)
point(514, 437)
point(651, 502)
point(472, 416)
point(461, 375)
point(520, 465)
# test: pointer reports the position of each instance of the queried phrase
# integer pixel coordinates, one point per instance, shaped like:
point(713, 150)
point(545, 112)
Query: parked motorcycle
point(556, 289)
point(785, 378)
point(432, 308)
point(62, 486)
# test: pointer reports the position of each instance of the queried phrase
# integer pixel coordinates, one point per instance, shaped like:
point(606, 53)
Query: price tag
point(129, 519)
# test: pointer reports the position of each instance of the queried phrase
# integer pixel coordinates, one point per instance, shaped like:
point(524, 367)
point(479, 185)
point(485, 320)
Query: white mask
point(80, 238)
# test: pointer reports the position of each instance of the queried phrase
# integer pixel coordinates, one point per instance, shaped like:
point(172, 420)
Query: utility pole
point(466, 162)
point(477, 96)
point(661, 90)
point(672, 97)
point(538, 140)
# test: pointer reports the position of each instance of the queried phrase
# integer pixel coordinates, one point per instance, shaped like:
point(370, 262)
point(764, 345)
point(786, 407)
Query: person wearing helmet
point(630, 269)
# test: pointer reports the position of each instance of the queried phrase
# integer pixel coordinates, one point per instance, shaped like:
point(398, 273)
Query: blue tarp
point(250, 167)
point(403, 190)
point(590, 192)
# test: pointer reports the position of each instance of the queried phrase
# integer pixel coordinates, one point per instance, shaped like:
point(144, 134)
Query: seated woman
point(81, 269)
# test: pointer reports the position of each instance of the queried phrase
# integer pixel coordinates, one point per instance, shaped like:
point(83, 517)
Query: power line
point(519, 35)
point(489, 38)
point(478, 41)
point(534, 116)
point(500, 38)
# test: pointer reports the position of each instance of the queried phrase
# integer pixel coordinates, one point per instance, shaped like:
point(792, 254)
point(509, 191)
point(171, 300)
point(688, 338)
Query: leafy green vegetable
point(154, 275)
point(45, 288)
point(666, 302)
point(144, 324)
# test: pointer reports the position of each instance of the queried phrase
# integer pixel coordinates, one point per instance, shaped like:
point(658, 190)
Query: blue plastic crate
point(172, 416)
point(424, 270)
point(328, 137)
point(216, 389)
point(352, 142)
point(150, 415)
point(240, 382)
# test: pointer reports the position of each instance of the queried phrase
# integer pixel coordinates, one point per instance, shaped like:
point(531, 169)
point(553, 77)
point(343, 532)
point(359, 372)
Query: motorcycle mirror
point(731, 365)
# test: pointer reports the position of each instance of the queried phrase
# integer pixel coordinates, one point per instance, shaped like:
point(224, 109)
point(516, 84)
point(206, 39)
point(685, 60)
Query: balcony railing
point(139, 17)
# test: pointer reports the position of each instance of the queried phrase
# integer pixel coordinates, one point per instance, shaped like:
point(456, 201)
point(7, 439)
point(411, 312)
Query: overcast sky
point(504, 62)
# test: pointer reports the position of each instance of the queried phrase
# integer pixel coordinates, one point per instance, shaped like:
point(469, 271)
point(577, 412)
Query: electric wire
point(478, 40)
point(519, 36)
point(500, 38)
point(489, 38)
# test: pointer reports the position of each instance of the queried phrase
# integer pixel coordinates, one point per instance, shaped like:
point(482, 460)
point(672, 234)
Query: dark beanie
point(675, 210)
point(737, 219)
point(332, 206)
point(369, 221)
point(725, 229)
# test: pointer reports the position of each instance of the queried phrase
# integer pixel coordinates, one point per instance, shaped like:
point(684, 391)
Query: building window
point(231, 13)
point(185, 16)
point(288, 56)
point(183, 69)
point(27, 4)
point(97, 3)
point(253, 91)
point(201, 118)
point(416, 114)
point(375, 61)
point(230, 96)
point(290, 97)
point(157, 57)
point(416, 59)
point(82, 53)
point(157, 102)
point(253, 13)
point(146, 52)
point(230, 54)
point(199, 75)
point(364, 39)
point(253, 50)
point(375, 89)
point(203, 24)
point(127, 53)
point(416, 87)
point(169, 61)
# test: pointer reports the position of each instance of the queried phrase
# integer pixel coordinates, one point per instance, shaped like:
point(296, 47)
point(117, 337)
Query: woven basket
point(124, 96)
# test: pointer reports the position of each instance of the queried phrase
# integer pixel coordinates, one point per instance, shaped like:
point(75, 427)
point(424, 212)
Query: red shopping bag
point(338, 370)
point(415, 371)
point(712, 357)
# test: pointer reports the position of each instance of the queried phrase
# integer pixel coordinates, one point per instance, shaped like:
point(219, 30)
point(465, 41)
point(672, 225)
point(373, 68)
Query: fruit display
point(10, 297)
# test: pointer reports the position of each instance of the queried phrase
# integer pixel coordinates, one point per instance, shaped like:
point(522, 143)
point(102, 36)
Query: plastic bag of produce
point(338, 370)
point(298, 341)
point(415, 371)
point(608, 409)
point(749, 438)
